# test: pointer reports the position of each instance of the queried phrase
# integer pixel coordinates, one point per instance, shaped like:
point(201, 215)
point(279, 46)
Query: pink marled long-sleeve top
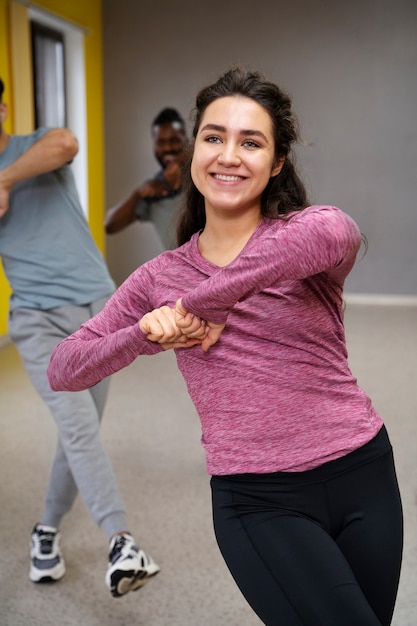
point(276, 392)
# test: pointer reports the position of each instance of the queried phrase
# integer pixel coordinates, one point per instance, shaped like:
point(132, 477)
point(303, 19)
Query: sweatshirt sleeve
point(106, 343)
point(315, 240)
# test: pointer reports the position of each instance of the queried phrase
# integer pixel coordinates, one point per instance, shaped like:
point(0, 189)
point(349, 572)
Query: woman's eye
point(251, 144)
point(212, 139)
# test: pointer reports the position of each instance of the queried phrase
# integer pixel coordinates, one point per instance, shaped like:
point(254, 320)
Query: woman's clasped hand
point(178, 328)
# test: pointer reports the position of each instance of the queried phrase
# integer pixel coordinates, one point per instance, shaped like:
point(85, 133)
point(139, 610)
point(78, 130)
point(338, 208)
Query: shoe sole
point(124, 581)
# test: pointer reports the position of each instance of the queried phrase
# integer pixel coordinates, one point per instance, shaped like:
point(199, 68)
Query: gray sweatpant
point(81, 462)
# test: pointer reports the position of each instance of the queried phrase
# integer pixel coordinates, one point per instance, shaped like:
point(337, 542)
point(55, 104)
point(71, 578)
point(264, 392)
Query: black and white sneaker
point(129, 567)
point(47, 563)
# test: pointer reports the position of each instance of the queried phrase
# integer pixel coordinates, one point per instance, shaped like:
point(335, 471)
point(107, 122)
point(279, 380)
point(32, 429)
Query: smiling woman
point(234, 159)
point(304, 488)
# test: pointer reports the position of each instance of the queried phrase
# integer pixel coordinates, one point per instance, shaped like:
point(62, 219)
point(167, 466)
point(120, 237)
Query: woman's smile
point(228, 178)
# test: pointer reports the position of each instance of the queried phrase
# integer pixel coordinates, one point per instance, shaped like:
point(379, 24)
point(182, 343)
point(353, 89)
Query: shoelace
point(119, 544)
point(46, 541)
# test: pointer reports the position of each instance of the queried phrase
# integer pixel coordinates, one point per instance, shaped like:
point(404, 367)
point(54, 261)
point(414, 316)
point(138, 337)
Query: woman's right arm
point(108, 342)
point(127, 327)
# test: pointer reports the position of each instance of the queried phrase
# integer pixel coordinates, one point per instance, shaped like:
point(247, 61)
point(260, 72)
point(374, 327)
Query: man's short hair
point(168, 116)
point(1, 89)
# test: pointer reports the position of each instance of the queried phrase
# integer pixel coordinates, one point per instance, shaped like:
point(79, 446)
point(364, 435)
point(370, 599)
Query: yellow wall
point(85, 13)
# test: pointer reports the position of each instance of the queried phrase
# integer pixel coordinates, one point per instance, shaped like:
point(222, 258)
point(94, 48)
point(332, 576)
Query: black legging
point(315, 548)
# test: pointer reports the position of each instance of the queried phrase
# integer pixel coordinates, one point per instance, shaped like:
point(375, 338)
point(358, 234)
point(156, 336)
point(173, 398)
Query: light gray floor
point(152, 434)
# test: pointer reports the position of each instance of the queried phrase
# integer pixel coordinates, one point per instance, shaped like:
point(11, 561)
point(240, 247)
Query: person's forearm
point(107, 342)
point(310, 243)
point(122, 214)
point(54, 149)
point(83, 360)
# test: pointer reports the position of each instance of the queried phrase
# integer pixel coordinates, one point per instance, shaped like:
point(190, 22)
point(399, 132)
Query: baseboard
point(380, 299)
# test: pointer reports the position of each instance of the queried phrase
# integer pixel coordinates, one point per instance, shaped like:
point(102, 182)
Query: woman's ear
point(279, 163)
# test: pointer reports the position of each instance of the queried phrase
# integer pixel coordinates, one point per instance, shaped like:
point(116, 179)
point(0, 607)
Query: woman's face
point(234, 154)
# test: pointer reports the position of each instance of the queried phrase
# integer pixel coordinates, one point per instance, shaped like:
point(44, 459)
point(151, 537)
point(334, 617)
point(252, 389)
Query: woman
point(306, 506)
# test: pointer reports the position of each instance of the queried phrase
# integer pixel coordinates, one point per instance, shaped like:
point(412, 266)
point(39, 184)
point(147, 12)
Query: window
point(48, 76)
point(65, 67)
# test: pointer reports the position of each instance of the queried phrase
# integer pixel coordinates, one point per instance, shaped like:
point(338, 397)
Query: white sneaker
point(129, 567)
point(47, 563)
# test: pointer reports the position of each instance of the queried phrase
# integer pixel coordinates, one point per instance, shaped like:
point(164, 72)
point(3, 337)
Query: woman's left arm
point(318, 239)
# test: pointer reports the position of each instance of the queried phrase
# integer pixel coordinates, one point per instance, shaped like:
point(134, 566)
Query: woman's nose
point(229, 155)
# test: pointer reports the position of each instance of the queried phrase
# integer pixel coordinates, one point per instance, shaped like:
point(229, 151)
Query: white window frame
point(75, 85)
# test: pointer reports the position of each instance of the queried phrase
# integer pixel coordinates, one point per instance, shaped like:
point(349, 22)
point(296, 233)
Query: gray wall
point(351, 68)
